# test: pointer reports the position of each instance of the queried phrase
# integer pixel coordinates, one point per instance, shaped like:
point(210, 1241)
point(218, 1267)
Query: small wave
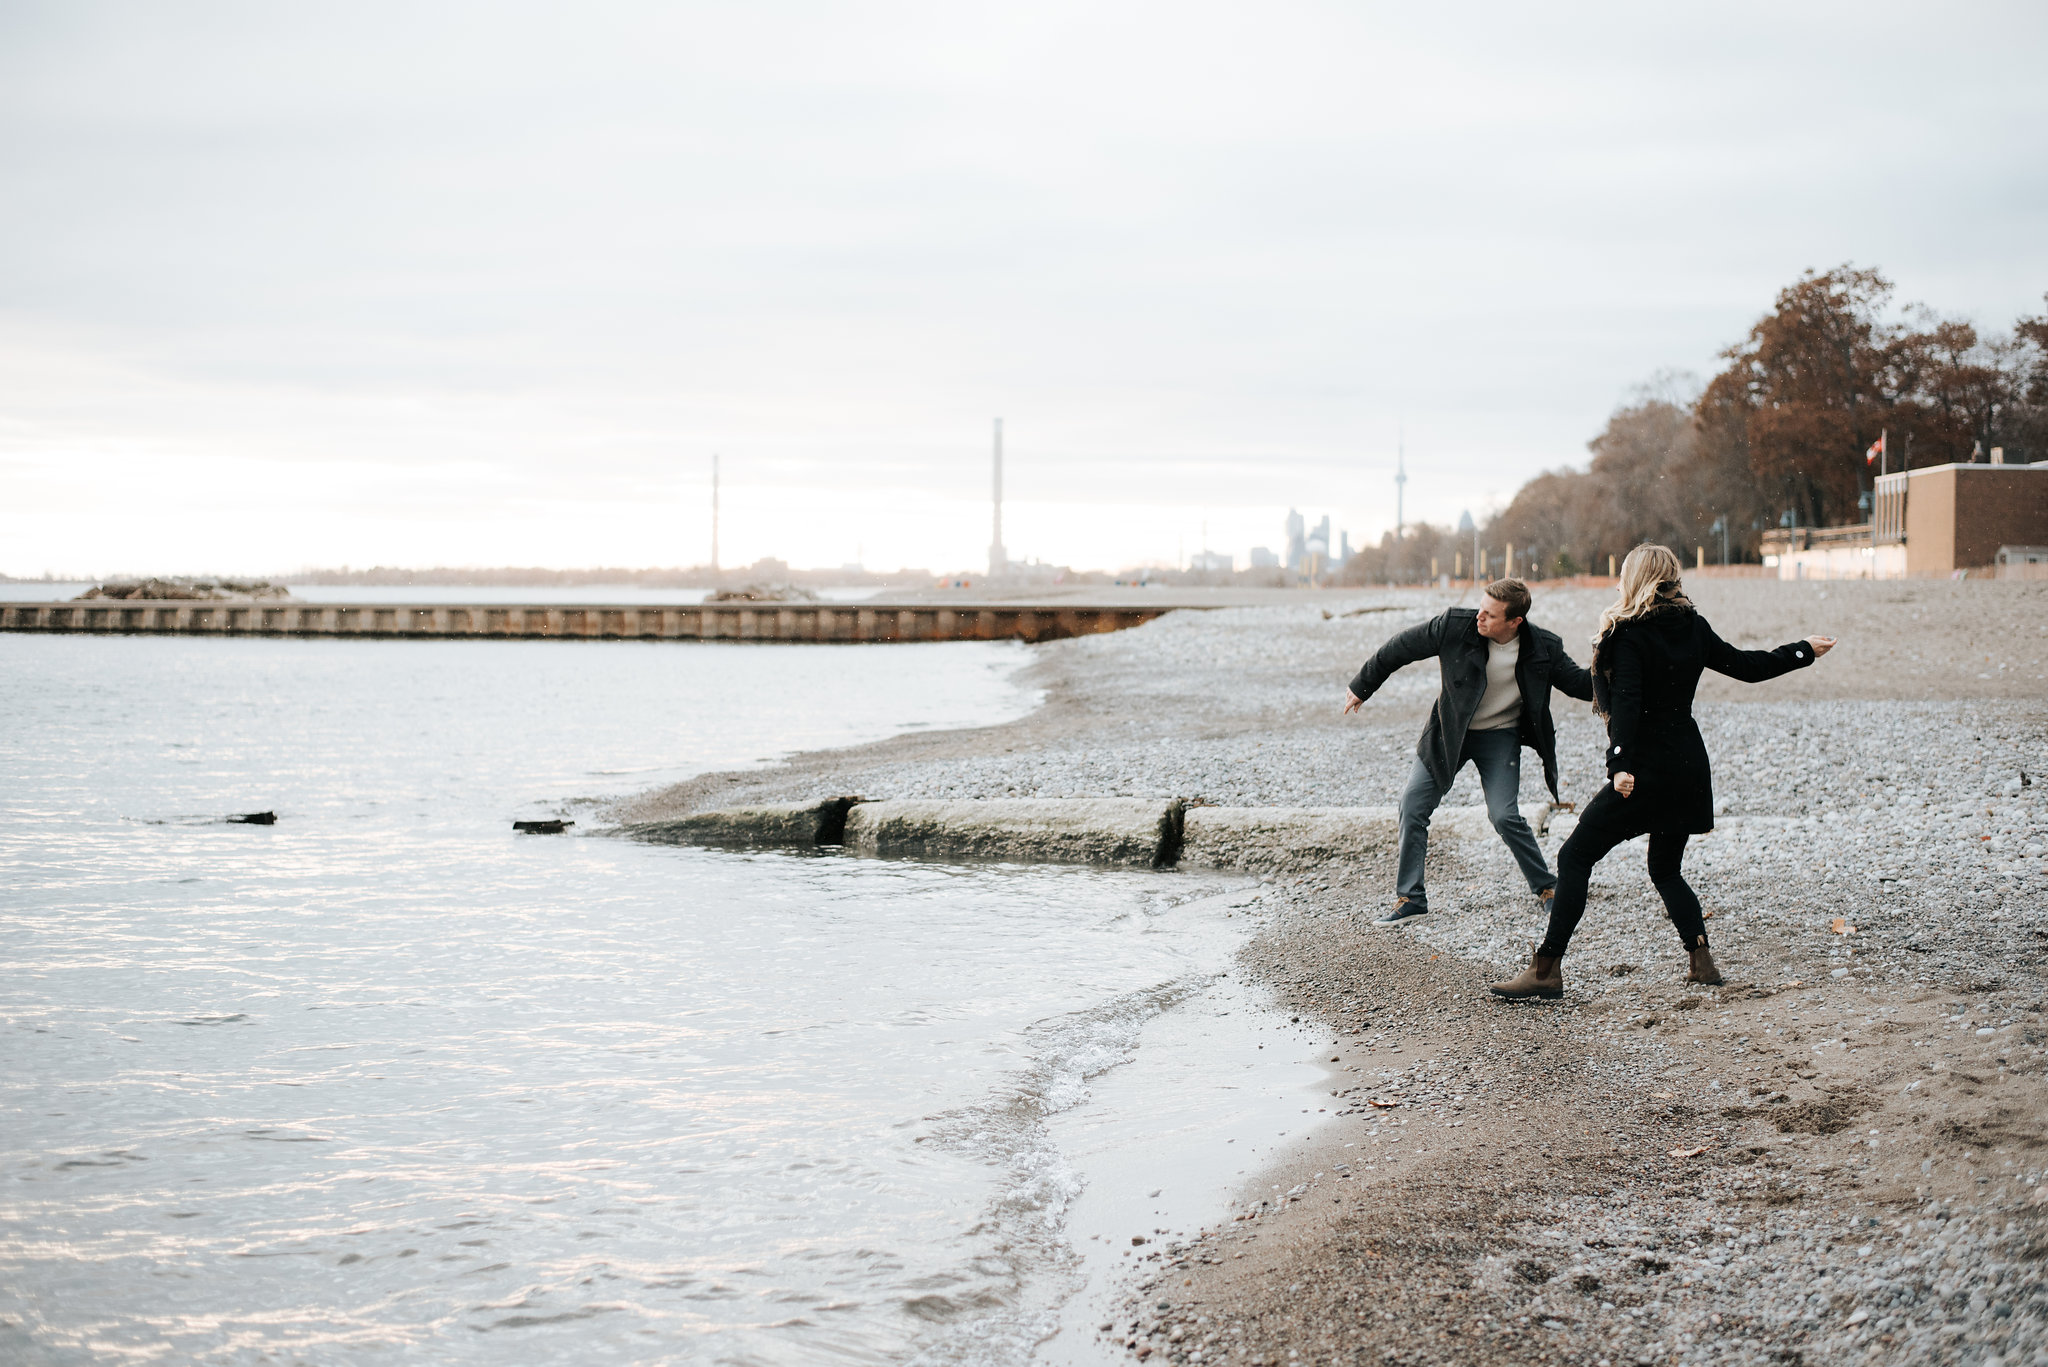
point(280, 1137)
point(534, 1321)
point(1029, 1269)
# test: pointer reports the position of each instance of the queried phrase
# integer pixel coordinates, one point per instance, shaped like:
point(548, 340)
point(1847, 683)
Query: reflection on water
point(387, 1083)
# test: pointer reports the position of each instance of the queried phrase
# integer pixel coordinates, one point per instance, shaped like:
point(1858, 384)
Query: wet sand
point(1835, 1157)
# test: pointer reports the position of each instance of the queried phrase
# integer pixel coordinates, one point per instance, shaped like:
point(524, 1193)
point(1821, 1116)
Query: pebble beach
point(1835, 1157)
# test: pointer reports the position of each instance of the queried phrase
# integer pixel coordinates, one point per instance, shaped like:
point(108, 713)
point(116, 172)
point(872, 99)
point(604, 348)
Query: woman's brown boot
point(1703, 969)
point(1542, 978)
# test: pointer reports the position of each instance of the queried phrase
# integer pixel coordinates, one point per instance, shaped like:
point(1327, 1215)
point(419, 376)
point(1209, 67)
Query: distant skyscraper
point(1297, 539)
point(998, 558)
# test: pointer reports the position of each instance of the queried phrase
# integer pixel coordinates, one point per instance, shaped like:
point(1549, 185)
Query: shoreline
point(1167, 1138)
point(1545, 1217)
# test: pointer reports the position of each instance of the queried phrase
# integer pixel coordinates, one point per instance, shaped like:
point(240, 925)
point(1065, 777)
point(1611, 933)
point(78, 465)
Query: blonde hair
point(1649, 581)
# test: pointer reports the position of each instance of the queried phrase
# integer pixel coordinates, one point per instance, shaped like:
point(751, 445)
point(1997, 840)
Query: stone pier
point(828, 622)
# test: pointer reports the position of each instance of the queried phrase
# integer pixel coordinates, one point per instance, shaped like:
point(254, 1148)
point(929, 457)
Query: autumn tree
point(1654, 476)
point(1806, 392)
point(2017, 417)
point(1780, 433)
point(1409, 558)
point(1552, 523)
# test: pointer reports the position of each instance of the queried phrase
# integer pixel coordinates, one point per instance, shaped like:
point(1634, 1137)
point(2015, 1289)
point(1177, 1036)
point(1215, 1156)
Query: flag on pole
point(1876, 450)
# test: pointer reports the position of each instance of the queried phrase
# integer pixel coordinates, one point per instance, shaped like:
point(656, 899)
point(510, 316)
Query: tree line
point(1777, 437)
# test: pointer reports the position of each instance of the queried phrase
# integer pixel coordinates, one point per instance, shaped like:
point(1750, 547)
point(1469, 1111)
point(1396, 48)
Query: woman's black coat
point(1645, 674)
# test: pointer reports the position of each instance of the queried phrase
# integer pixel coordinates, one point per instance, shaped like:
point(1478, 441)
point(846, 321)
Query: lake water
point(385, 1083)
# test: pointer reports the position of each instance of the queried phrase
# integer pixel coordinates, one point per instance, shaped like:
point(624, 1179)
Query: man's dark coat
point(1649, 669)
point(1460, 651)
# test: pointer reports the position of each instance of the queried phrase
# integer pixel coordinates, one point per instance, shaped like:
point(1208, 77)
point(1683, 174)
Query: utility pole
point(998, 558)
point(714, 512)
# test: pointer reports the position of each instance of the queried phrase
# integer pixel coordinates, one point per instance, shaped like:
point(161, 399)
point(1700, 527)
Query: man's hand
point(1821, 645)
point(1625, 784)
point(1352, 701)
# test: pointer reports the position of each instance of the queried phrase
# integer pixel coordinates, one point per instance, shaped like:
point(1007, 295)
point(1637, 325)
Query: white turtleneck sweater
point(1501, 705)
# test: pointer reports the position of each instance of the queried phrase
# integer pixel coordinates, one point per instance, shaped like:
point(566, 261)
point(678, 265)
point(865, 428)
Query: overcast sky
point(290, 285)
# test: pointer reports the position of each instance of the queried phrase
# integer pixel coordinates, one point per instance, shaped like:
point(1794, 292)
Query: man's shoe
point(1404, 910)
point(1542, 978)
point(1545, 898)
point(1703, 969)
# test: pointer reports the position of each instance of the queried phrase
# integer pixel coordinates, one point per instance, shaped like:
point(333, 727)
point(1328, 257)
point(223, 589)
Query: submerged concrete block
point(768, 824)
point(1145, 832)
point(1106, 830)
point(1277, 837)
point(1289, 837)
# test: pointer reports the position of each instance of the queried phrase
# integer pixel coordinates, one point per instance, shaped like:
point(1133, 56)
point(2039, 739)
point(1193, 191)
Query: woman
point(1647, 658)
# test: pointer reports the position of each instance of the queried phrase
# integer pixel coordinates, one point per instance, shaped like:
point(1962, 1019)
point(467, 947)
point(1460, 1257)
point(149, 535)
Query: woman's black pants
point(1608, 821)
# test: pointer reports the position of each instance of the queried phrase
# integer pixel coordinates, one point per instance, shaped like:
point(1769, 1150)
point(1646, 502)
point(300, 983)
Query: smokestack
point(998, 558)
point(714, 512)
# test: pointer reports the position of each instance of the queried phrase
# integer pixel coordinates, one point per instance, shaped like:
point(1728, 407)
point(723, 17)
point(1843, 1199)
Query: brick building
point(1927, 523)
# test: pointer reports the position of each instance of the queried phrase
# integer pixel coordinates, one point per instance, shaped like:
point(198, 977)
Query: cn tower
point(998, 558)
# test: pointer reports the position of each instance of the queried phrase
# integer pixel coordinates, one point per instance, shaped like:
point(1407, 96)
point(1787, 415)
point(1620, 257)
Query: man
point(1498, 670)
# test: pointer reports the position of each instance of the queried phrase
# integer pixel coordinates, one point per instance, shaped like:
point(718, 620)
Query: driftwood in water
point(541, 827)
point(254, 819)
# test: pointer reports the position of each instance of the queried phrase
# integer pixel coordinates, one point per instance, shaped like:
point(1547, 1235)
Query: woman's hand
point(1821, 645)
point(1625, 784)
point(1351, 702)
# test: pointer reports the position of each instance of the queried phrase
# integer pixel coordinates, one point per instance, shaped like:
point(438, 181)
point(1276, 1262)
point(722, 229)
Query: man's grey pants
point(1498, 757)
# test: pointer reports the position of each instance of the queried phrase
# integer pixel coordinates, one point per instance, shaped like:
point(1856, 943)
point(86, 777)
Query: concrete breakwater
point(828, 622)
point(1140, 832)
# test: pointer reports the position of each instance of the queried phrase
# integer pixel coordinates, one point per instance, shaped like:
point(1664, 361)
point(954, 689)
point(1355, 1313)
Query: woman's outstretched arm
point(1755, 666)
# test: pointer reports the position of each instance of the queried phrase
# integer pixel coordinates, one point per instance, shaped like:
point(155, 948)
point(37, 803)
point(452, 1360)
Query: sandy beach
point(1832, 1158)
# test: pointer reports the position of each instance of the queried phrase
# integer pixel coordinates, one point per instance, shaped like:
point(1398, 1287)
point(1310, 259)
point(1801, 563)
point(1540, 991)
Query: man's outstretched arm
point(1572, 679)
point(1419, 642)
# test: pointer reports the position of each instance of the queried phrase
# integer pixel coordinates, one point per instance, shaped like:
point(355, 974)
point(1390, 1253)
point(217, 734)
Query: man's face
point(1494, 622)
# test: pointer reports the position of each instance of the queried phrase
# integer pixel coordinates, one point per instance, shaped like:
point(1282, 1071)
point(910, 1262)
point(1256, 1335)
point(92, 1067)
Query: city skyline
point(1300, 546)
